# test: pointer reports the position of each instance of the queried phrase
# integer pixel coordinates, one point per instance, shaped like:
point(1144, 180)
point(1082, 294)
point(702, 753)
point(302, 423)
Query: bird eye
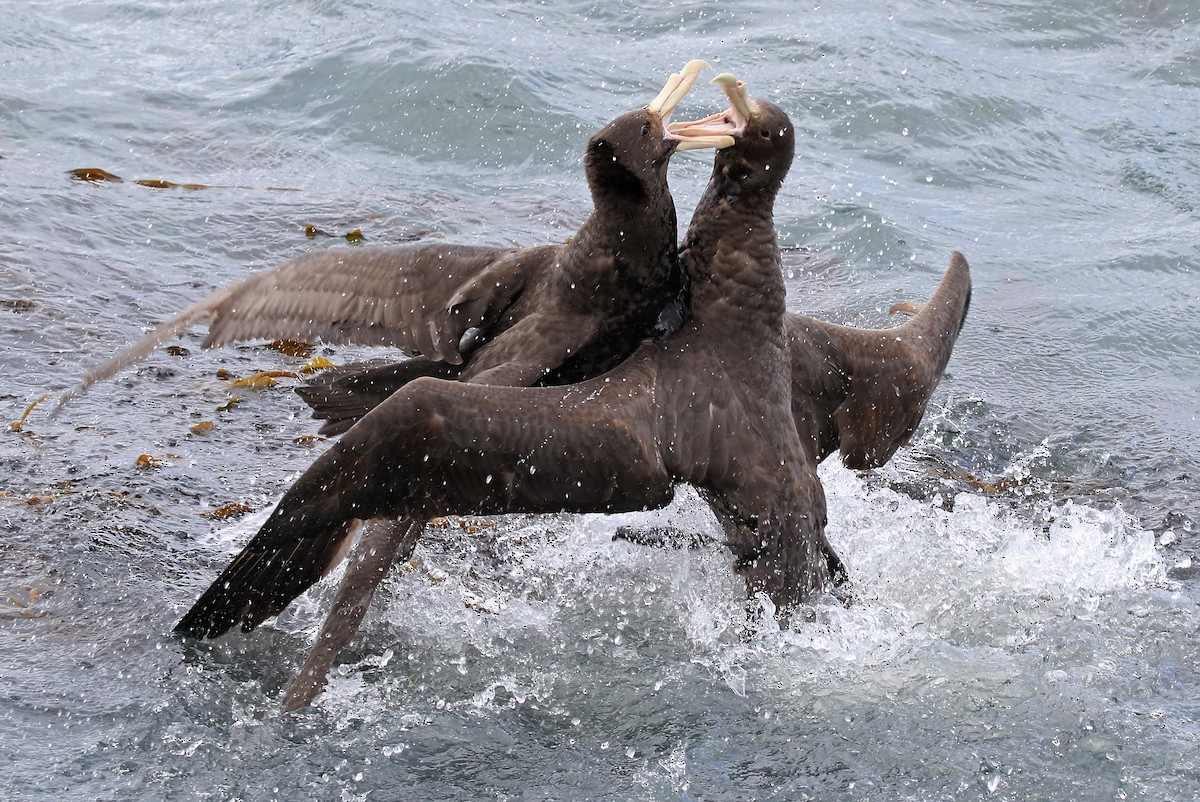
point(645, 129)
point(765, 134)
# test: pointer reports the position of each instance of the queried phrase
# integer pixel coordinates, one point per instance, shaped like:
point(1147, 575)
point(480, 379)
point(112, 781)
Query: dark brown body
point(711, 406)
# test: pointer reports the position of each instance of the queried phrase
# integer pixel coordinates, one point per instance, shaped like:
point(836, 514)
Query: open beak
point(676, 88)
point(729, 123)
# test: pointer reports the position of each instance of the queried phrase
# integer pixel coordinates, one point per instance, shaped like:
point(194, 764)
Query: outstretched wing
point(864, 391)
point(441, 447)
point(419, 299)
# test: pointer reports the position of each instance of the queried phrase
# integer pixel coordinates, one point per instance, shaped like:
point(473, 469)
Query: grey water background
point(1026, 618)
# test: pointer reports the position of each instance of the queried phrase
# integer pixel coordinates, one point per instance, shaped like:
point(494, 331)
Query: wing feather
point(441, 447)
point(864, 391)
point(418, 298)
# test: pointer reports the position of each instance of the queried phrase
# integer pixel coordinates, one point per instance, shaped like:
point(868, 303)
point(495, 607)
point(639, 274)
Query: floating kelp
point(96, 175)
point(469, 525)
point(203, 427)
point(15, 426)
point(17, 304)
point(234, 509)
point(308, 439)
point(93, 174)
point(46, 498)
point(25, 599)
point(354, 237)
point(159, 183)
point(316, 364)
point(908, 308)
point(146, 461)
point(230, 404)
point(991, 486)
point(177, 350)
point(296, 348)
point(264, 379)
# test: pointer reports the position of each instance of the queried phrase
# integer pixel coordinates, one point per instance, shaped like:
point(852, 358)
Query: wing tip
point(215, 613)
point(197, 624)
point(960, 272)
point(944, 314)
point(871, 428)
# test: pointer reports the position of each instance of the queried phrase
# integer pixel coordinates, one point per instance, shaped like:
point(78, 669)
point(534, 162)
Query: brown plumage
point(546, 314)
point(859, 391)
point(710, 407)
point(862, 392)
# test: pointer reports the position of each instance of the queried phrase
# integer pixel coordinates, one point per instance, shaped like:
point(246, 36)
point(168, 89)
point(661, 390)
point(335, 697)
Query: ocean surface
point(1026, 623)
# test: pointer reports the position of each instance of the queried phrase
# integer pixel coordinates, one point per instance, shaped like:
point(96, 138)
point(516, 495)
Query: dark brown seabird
point(544, 315)
point(549, 314)
point(710, 406)
point(862, 392)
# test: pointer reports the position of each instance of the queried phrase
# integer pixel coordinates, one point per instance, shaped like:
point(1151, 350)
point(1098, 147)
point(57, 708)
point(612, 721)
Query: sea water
point(1024, 622)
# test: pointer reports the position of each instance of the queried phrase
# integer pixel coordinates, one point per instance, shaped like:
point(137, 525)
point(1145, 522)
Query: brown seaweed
point(96, 175)
point(234, 509)
point(16, 426)
point(264, 379)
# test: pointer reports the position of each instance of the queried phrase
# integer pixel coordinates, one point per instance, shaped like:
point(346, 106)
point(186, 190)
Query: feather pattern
point(711, 405)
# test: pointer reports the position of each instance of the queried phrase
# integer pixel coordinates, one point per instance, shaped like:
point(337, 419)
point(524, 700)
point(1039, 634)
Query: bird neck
point(731, 260)
point(633, 231)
